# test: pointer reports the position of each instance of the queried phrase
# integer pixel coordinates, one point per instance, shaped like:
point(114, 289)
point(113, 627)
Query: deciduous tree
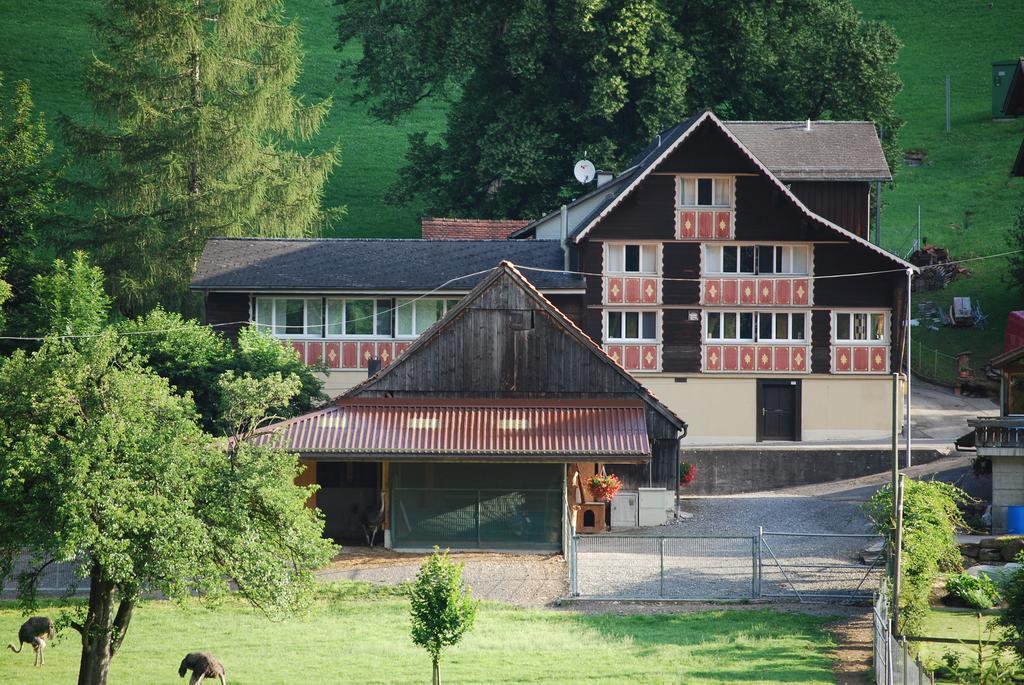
point(196, 121)
point(534, 86)
point(103, 463)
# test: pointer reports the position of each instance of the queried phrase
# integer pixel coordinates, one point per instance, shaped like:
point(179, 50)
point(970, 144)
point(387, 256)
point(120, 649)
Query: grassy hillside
point(966, 195)
point(48, 41)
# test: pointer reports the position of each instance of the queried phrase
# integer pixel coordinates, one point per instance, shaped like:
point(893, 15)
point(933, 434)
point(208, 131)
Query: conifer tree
point(196, 118)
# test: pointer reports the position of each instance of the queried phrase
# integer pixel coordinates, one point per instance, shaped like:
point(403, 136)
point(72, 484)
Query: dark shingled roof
point(830, 150)
point(370, 264)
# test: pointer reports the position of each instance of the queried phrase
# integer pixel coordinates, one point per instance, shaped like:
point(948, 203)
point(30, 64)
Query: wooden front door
point(778, 410)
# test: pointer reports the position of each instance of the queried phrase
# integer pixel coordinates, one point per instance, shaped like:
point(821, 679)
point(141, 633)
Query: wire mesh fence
point(932, 365)
point(634, 567)
point(892, 661)
point(56, 578)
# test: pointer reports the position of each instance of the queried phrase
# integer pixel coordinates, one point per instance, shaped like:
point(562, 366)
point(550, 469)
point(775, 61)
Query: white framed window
point(756, 259)
point(294, 317)
point(705, 191)
point(625, 258)
point(782, 259)
point(630, 326)
point(860, 327)
point(782, 326)
point(729, 259)
point(729, 326)
point(360, 317)
point(412, 318)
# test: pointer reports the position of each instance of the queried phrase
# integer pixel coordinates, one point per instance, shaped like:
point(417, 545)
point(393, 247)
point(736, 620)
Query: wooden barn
point(477, 435)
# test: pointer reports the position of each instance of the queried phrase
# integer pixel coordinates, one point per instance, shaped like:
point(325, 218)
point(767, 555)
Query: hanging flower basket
point(604, 488)
point(687, 472)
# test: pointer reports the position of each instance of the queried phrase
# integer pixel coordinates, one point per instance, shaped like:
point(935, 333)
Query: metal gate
point(817, 567)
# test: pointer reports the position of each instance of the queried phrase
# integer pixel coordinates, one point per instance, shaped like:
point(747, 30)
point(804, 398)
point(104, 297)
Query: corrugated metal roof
point(518, 429)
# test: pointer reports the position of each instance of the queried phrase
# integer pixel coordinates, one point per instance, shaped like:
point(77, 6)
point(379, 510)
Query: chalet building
point(476, 436)
point(710, 277)
point(728, 270)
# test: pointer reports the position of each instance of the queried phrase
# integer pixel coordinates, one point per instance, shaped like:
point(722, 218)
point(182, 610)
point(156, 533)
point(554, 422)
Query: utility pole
point(897, 554)
point(895, 453)
point(910, 282)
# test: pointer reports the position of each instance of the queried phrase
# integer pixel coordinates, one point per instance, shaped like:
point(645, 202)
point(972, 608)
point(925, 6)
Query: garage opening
point(477, 506)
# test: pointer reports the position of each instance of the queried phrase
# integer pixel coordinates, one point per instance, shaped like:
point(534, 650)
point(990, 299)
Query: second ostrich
point(35, 631)
point(203, 665)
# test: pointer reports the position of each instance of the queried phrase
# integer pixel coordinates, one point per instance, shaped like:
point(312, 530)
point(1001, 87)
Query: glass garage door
point(477, 506)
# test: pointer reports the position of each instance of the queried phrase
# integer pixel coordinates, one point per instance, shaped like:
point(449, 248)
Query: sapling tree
point(442, 608)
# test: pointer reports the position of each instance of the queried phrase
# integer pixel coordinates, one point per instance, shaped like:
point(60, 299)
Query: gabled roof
point(667, 148)
point(369, 264)
point(443, 228)
point(1013, 104)
point(508, 270)
point(824, 150)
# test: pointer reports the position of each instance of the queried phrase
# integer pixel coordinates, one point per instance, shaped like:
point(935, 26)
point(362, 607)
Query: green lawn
point(964, 188)
point(48, 41)
point(353, 637)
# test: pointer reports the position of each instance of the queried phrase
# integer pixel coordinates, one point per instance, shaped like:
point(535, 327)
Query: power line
point(411, 301)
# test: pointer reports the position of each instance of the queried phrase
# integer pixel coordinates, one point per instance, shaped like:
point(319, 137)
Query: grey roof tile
point(369, 264)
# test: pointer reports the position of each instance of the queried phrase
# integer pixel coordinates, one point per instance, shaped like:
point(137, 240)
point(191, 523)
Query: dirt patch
point(366, 557)
point(853, 649)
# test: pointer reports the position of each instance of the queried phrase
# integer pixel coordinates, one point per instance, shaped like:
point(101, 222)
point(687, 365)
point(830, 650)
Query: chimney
point(808, 125)
point(603, 177)
point(372, 366)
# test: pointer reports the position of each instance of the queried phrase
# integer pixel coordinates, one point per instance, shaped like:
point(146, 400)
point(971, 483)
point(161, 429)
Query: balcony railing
point(1004, 432)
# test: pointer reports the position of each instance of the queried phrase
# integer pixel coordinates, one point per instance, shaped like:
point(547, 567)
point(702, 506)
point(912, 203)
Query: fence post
point(661, 582)
point(760, 562)
point(573, 584)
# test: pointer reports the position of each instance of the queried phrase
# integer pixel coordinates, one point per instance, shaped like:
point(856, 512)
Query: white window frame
point(775, 339)
point(341, 302)
point(836, 340)
point(640, 326)
point(273, 325)
point(621, 247)
point(719, 249)
point(738, 313)
point(447, 303)
point(683, 179)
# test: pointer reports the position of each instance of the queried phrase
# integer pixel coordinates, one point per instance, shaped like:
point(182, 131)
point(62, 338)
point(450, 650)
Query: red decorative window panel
point(860, 358)
point(756, 358)
point(778, 291)
point(631, 290)
point(636, 357)
point(347, 354)
point(704, 224)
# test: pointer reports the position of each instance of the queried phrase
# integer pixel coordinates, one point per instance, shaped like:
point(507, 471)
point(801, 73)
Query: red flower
point(687, 472)
point(604, 488)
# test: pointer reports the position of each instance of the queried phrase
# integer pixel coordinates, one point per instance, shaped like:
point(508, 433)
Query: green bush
point(931, 518)
point(978, 593)
point(1012, 619)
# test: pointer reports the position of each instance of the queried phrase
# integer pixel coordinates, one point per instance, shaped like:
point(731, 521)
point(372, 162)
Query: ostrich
point(203, 665)
point(373, 521)
point(35, 632)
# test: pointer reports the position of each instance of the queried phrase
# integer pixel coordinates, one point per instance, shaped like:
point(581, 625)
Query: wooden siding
point(648, 213)
point(845, 203)
point(680, 351)
point(592, 262)
point(707, 150)
point(663, 471)
point(681, 260)
point(874, 290)
point(821, 341)
point(221, 308)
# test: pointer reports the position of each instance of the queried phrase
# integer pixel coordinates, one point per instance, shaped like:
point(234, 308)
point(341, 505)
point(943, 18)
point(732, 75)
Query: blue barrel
point(1015, 520)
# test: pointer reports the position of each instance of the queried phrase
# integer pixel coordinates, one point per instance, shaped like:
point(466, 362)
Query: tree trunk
point(102, 632)
point(437, 673)
point(197, 102)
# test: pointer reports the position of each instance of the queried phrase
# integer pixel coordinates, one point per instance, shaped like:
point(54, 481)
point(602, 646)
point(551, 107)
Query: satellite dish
point(585, 171)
